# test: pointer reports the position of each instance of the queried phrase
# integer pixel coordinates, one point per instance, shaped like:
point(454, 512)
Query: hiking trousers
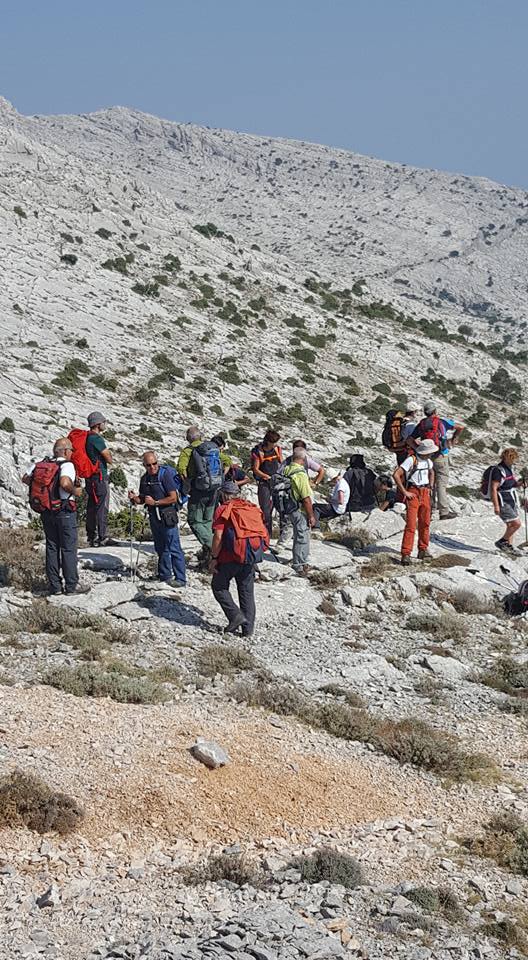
point(325, 511)
point(301, 539)
point(266, 503)
point(171, 561)
point(98, 497)
point(200, 518)
point(418, 513)
point(441, 473)
point(60, 529)
point(244, 575)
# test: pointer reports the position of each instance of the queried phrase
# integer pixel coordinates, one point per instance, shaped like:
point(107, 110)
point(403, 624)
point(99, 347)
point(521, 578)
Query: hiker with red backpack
point(435, 428)
point(266, 459)
point(160, 490)
point(92, 458)
point(53, 490)
point(499, 485)
point(240, 538)
point(414, 479)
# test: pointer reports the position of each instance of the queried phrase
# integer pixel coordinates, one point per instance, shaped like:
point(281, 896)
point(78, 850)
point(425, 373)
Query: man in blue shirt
point(160, 492)
point(444, 433)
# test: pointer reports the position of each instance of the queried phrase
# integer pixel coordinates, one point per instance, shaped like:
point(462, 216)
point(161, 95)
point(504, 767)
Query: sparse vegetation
point(25, 800)
point(69, 377)
point(508, 676)
point(464, 601)
point(444, 625)
point(440, 900)
point(217, 658)
point(20, 565)
point(117, 477)
point(330, 865)
point(233, 867)
point(324, 579)
point(356, 539)
point(505, 840)
point(7, 425)
point(20, 212)
point(446, 560)
point(89, 680)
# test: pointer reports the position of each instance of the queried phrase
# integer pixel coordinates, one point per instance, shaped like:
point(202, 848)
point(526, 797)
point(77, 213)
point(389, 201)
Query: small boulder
point(209, 753)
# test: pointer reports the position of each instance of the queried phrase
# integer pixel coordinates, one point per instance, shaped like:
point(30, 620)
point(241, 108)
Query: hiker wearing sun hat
point(414, 479)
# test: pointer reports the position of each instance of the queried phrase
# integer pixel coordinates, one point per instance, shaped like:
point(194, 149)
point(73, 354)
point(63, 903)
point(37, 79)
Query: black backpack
point(362, 490)
point(281, 495)
point(516, 603)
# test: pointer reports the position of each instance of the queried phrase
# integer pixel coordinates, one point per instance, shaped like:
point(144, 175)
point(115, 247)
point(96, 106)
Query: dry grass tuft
point(508, 676)
point(444, 626)
point(219, 658)
point(114, 680)
point(464, 601)
point(26, 800)
point(329, 865)
point(42, 617)
point(505, 840)
point(235, 868)
point(378, 565)
point(324, 579)
point(328, 608)
point(20, 564)
point(356, 539)
point(446, 560)
point(349, 696)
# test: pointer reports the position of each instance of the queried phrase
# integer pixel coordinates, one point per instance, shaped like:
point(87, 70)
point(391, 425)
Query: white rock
point(209, 753)
point(101, 597)
point(447, 667)
point(359, 596)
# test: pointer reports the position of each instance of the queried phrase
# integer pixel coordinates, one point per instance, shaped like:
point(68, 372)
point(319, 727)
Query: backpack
point(166, 470)
point(430, 428)
point(270, 460)
point(516, 603)
point(44, 486)
point(207, 474)
point(391, 437)
point(485, 483)
point(83, 465)
point(282, 496)
point(362, 491)
point(245, 535)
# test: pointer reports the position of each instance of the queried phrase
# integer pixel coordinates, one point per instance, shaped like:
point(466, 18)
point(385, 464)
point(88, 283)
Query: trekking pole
point(132, 570)
point(525, 544)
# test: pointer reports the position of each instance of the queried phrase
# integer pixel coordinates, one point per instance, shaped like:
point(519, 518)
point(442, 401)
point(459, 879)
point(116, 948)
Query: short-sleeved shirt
point(158, 486)
point(95, 444)
point(417, 471)
point(67, 469)
point(309, 464)
point(408, 428)
point(300, 484)
point(340, 486)
point(508, 483)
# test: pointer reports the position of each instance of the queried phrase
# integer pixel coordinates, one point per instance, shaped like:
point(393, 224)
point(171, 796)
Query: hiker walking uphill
point(500, 486)
point(415, 480)
point(53, 489)
point(435, 428)
point(160, 490)
point(93, 448)
point(303, 517)
point(266, 459)
point(200, 467)
point(239, 540)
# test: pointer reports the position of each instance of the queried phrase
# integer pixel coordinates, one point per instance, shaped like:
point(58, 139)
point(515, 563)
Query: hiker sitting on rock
point(53, 489)
point(384, 491)
point(337, 501)
point(415, 479)
point(240, 538)
point(160, 490)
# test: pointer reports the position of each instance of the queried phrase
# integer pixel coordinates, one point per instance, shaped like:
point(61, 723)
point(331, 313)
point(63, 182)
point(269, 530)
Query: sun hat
point(95, 418)
point(429, 407)
point(426, 448)
point(411, 406)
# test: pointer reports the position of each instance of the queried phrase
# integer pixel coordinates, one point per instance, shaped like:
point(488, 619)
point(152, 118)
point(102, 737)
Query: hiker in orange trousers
point(415, 481)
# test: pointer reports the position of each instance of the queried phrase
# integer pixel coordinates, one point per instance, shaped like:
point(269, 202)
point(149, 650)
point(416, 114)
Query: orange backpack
point(245, 534)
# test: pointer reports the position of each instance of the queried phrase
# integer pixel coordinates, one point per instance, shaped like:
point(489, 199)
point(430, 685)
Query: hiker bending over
point(239, 540)
point(384, 492)
point(97, 488)
point(160, 490)
point(303, 517)
point(53, 489)
point(444, 433)
point(200, 467)
point(232, 471)
point(414, 480)
point(503, 495)
point(266, 459)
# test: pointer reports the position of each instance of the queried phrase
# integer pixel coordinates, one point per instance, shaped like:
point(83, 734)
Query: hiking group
point(235, 533)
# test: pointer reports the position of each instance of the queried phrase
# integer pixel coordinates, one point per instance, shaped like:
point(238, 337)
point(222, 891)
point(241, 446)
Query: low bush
point(233, 867)
point(7, 425)
point(356, 539)
point(217, 658)
point(377, 566)
point(505, 840)
point(20, 564)
point(88, 680)
point(25, 800)
point(446, 560)
point(464, 601)
point(507, 932)
point(508, 676)
point(349, 696)
point(323, 579)
point(329, 865)
point(328, 608)
point(117, 477)
point(43, 617)
point(436, 900)
point(445, 625)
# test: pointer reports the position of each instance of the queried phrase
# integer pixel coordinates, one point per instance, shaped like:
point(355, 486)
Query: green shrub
point(231, 867)
point(20, 565)
point(445, 625)
point(436, 900)
point(329, 865)
point(20, 212)
point(90, 680)
point(508, 676)
point(103, 233)
point(149, 433)
point(304, 355)
point(119, 264)
point(117, 477)
point(25, 800)
point(7, 425)
point(69, 377)
point(148, 289)
point(505, 840)
point(230, 375)
point(217, 658)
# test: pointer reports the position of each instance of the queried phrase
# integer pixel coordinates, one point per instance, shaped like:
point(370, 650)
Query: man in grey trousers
point(303, 519)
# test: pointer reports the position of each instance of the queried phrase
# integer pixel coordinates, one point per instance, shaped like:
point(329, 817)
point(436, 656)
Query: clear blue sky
point(437, 83)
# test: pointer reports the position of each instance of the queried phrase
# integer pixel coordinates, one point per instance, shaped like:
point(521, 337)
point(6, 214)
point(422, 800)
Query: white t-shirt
point(340, 486)
point(420, 471)
point(67, 469)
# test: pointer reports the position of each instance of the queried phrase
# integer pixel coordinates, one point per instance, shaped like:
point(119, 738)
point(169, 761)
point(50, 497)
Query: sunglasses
point(153, 464)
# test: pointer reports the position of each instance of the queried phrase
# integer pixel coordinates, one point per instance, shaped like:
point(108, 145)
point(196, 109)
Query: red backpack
point(431, 428)
point(44, 486)
point(83, 465)
point(246, 535)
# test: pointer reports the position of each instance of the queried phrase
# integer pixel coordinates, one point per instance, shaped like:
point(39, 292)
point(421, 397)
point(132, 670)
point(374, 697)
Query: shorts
point(509, 512)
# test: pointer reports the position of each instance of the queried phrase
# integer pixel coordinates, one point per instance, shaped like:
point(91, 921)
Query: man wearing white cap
point(414, 479)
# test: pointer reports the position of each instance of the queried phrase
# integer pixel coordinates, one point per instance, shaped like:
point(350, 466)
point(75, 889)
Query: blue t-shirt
point(235, 473)
point(159, 485)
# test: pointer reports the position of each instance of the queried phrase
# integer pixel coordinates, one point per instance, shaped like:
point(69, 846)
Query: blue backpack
point(166, 470)
point(207, 475)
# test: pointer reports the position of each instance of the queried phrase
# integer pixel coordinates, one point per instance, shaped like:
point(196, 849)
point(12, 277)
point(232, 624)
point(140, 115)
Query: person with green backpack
point(302, 517)
point(201, 469)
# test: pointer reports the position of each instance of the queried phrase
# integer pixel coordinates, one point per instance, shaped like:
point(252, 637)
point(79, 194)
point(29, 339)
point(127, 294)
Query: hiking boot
point(238, 620)
point(91, 543)
point(508, 548)
point(77, 591)
point(406, 561)
point(424, 555)
point(448, 516)
point(102, 542)
point(174, 583)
